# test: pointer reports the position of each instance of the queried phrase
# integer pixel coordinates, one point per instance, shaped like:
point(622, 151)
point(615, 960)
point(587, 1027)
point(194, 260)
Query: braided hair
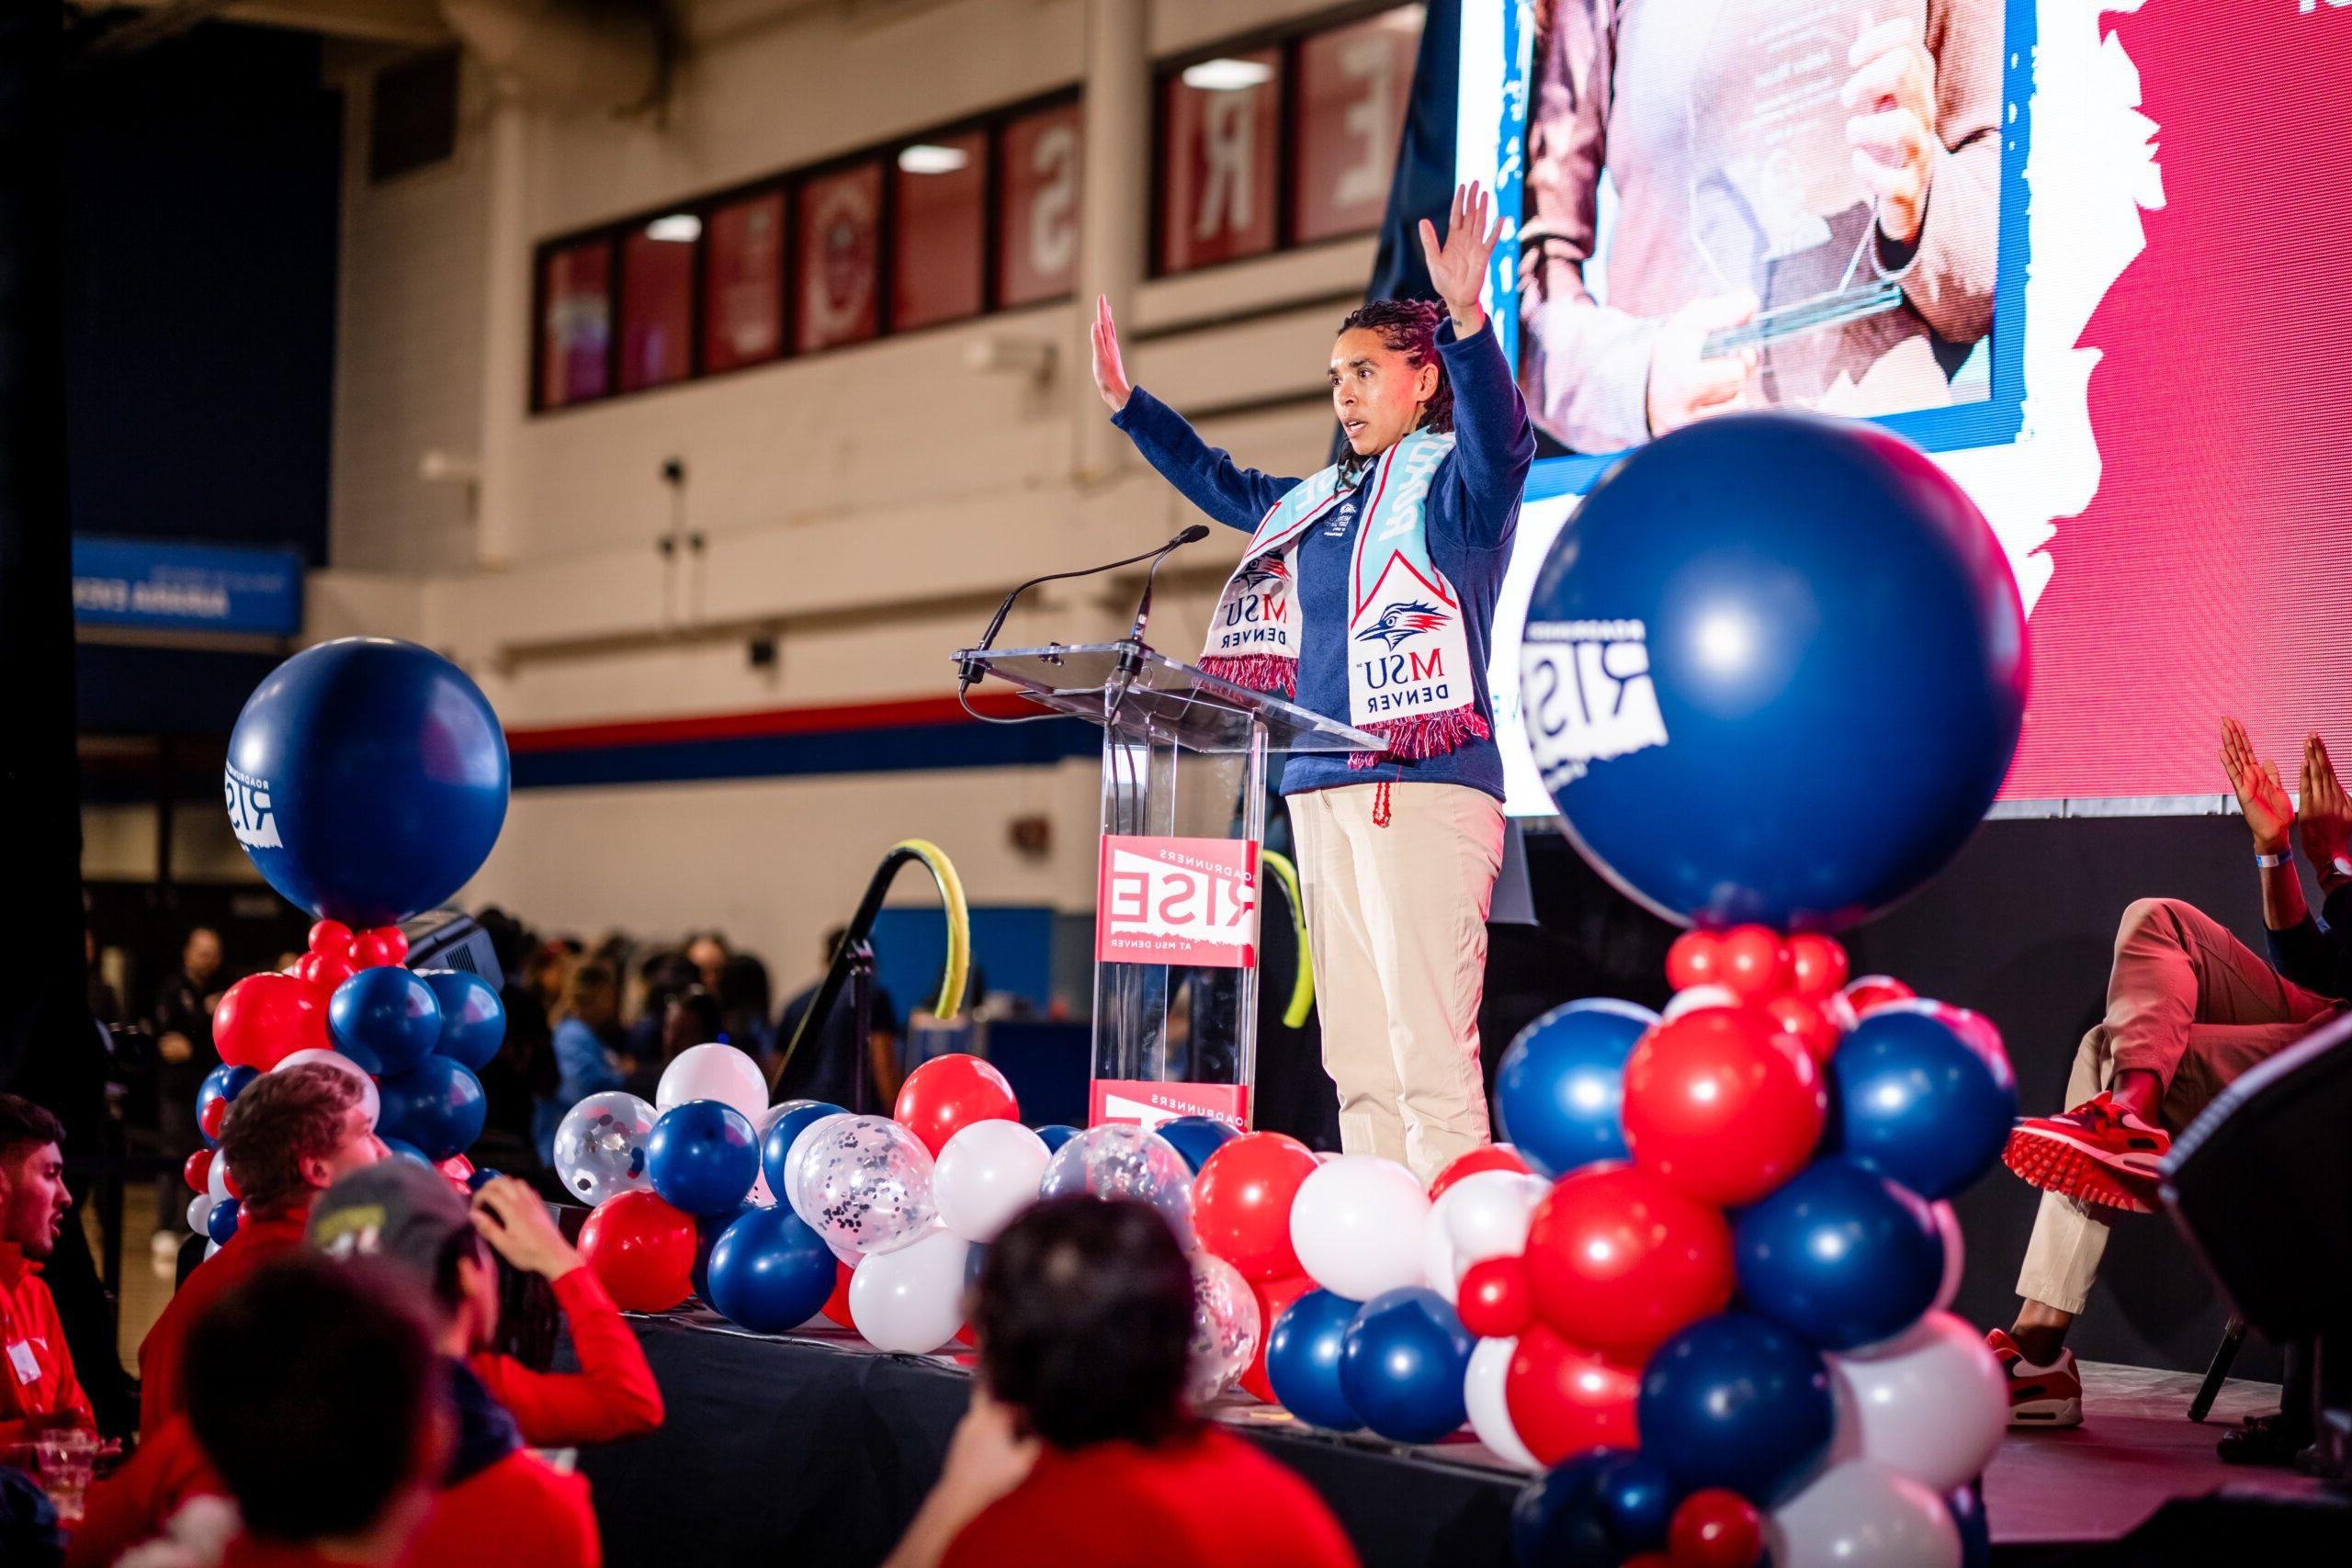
point(1410, 327)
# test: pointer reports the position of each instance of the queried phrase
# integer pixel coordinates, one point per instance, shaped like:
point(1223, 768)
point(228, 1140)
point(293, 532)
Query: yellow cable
point(959, 923)
point(1302, 989)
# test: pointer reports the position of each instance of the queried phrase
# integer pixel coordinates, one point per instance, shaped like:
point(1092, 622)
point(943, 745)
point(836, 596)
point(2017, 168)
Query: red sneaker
point(2039, 1396)
point(2098, 1153)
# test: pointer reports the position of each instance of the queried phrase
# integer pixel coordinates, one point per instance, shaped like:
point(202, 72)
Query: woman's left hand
point(1458, 264)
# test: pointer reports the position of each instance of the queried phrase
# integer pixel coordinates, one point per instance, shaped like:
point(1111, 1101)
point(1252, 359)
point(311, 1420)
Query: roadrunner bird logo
point(1264, 575)
point(1398, 621)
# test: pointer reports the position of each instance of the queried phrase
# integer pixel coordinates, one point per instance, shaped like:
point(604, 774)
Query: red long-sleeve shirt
point(163, 1353)
point(612, 1396)
point(36, 1368)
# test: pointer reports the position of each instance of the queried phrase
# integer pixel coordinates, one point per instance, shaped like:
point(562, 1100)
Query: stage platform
point(816, 1449)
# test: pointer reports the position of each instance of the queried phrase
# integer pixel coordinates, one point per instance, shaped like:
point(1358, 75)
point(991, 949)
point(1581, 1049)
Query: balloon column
point(1774, 672)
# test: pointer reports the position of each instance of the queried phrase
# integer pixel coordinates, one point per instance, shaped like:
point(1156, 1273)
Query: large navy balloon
point(1774, 670)
point(1561, 1085)
point(1735, 1401)
point(473, 1020)
point(792, 1118)
point(1839, 1254)
point(703, 1158)
point(1594, 1510)
point(437, 1106)
point(1303, 1352)
point(770, 1273)
point(387, 1019)
point(1402, 1363)
point(1913, 1098)
point(367, 779)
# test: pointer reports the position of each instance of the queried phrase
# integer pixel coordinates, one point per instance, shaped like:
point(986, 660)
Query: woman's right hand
point(2261, 797)
point(1110, 376)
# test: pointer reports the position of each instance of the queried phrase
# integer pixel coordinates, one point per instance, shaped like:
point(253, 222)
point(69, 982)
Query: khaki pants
point(2190, 1003)
point(1396, 918)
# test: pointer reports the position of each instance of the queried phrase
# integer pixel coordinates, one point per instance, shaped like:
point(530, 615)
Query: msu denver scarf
point(1408, 659)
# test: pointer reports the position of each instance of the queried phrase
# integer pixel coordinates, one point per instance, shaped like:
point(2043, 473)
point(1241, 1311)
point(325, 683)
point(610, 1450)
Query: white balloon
point(911, 1300)
point(988, 1173)
point(1358, 1224)
point(216, 1185)
point(210, 1248)
point(796, 1156)
point(1860, 1515)
point(1691, 999)
point(199, 1209)
point(1482, 1396)
point(1481, 1216)
point(1955, 1253)
point(713, 1072)
point(1931, 1403)
point(367, 1095)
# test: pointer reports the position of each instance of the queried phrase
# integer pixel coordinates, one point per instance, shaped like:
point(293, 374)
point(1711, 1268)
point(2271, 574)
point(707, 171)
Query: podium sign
point(1177, 880)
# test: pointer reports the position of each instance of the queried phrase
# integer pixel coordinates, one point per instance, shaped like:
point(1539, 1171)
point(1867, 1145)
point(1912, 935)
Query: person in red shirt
point(287, 1137)
point(1078, 1446)
point(38, 1388)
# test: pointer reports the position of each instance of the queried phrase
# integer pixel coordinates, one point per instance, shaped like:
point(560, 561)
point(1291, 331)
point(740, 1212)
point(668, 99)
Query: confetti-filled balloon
point(1124, 1161)
point(864, 1184)
point(599, 1146)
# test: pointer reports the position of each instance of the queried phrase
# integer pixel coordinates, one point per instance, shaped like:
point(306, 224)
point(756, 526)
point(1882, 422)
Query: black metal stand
point(2217, 1371)
point(861, 991)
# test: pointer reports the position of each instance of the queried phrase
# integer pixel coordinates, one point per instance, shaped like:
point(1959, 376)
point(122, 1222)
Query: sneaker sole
point(2062, 1165)
point(2047, 1413)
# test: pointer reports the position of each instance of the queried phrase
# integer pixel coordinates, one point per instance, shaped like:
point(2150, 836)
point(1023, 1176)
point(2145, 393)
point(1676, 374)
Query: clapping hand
point(2268, 813)
point(2327, 812)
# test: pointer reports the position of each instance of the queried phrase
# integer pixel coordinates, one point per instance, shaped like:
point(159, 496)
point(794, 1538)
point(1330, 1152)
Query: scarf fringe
point(1422, 735)
point(1259, 672)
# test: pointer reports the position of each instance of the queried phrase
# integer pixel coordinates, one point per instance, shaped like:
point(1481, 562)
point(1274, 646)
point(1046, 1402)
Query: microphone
point(968, 669)
point(1192, 534)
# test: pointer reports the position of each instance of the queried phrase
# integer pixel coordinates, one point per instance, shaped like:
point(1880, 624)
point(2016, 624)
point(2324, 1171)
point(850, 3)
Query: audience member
point(825, 1066)
point(1078, 1433)
point(585, 1063)
point(105, 1005)
point(745, 1003)
point(38, 1388)
point(660, 976)
point(288, 1136)
point(184, 1054)
point(708, 951)
point(2189, 1007)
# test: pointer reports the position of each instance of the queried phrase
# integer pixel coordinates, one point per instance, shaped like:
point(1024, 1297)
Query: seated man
point(287, 1137)
point(38, 1389)
point(1078, 1434)
point(2188, 1009)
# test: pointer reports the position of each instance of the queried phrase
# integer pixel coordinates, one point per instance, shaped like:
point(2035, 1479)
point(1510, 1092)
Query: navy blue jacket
point(2317, 954)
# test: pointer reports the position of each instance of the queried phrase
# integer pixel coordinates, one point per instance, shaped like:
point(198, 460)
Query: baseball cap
point(396, 1210)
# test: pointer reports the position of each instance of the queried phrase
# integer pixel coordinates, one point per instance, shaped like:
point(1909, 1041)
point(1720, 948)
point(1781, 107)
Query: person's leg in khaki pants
point(1349, 1000)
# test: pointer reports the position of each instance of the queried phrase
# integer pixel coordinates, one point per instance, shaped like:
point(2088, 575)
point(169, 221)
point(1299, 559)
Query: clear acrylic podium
point(1183, 817)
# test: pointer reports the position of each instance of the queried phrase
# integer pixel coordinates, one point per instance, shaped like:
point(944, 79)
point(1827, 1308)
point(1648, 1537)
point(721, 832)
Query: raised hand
point(1458, 262)
point(514, 1222)
point(2263, 799)
point(1110, 376)
point(2327, 811)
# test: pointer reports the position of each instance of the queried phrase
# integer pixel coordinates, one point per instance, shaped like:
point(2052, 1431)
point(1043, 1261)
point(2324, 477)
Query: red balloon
point(1695, 959)
point(457, 1167)
point(1752, 962)
point(229, 1182)
point(1876, 991)
point(1274, 1298)
point(642, 1251)
point(1803, 1020)
point(263, 1019)
point(837, 1304)
point(324, 970)
point(379, 947)
point(1565, 1400)
point(1494, 1298)
point(212, 1118)
point(198, 1171)
point(1714, 1527)
point(1816, 964)
point(949, 1093)
point(1720, 1107)
point(332, 938)
point(1486, 1156)
point(1647, 1560)
point(1621, 1261)
point(1241, 1202)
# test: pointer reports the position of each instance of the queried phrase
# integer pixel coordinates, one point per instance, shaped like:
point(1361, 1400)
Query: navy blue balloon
point(1913, 1099)
point(224, 1082)
point(1197, 1137)
point(1561, 1084)
point(1841, 1254)
point(702, 1157)
point(473, 1020)
point(482, 1177)
point(976, 1258)
point(1594, 1511)
point(436, 1105)
point(1402, 1363)
point(1303, 1352)
point(1735, 1401)
point(367, 779)
point(1055, 1134)
point(770, 1272)
point(402, 1147)
point(709, 1228)
point(220, 1224)
point(1774, 671)
point(1966, 1504)
point(386, 1019)
point(780, 1136)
